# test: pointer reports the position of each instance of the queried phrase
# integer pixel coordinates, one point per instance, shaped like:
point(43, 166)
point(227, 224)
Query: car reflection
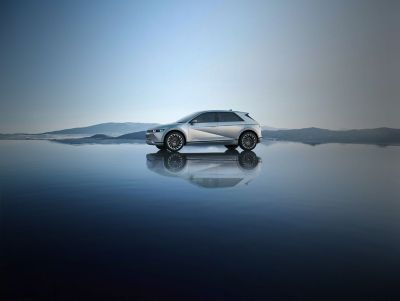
point(208, 170)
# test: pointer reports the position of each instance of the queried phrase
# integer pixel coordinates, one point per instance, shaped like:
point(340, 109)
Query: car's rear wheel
point(174, 141)
point(231, 147)
point(248, 140)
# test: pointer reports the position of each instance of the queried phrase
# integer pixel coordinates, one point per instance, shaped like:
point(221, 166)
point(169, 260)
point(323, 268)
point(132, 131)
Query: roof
point(205, 111)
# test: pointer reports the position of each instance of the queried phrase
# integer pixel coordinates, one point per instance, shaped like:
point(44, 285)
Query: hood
point(165, 126)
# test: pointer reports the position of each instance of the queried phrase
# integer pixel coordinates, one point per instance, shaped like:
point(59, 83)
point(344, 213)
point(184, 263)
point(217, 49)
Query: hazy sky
point(292, 64)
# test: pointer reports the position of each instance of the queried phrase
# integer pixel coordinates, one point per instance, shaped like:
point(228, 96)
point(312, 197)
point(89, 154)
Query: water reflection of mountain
point(208, 170)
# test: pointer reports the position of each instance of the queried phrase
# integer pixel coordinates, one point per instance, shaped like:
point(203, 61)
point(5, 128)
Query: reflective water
point(287, 221)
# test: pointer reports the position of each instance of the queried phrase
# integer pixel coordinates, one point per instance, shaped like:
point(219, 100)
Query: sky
point(291, 64)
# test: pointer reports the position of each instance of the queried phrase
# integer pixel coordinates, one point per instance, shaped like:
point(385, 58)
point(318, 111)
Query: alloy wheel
point(175, 141)
point(248, 141)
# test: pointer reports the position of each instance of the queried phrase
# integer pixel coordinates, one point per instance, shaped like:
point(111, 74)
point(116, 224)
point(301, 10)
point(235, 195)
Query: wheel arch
point(175, 130)
point(248, 130)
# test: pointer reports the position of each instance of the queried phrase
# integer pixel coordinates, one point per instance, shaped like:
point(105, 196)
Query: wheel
point(232, 146)
point(162, 147)
point(248, 140)
point(174, 141)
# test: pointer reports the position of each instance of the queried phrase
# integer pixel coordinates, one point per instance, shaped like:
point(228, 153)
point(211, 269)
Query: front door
point(204, 128)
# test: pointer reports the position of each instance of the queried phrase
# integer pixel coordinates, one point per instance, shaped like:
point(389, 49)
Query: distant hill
point(137, 135)
point(381, 136)
point(105, 139)
point(100, 136)
point(109, 128)
point(124, 132)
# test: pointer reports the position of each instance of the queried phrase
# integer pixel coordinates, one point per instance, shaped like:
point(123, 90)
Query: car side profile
point(230, 128)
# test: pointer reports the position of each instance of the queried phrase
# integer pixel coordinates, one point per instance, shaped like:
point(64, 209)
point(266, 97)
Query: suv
point(230, 128)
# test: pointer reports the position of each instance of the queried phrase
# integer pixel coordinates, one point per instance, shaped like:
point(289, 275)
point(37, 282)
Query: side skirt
point(224, 142)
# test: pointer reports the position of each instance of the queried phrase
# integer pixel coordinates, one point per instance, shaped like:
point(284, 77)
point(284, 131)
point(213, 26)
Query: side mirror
point(193, 121)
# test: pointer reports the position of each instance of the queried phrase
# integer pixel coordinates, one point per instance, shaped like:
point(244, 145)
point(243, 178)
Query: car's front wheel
point(174, 141)
point(248, 140)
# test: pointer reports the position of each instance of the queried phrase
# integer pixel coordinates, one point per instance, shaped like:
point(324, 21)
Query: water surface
point(124, 222)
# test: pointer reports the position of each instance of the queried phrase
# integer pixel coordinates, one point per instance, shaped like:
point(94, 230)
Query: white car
point(231, 128)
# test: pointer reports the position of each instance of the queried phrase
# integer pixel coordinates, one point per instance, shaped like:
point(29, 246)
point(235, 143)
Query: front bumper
point(154, 138)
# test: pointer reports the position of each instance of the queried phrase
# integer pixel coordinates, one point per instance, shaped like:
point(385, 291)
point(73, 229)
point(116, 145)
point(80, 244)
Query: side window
point(228, 117)
point(206, 117)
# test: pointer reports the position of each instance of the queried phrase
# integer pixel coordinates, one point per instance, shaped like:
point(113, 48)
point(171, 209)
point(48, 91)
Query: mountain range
point(109, 128)
point(124, 132)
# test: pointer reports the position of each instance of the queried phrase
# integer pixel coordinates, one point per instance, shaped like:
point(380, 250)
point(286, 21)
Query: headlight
point(157, 131)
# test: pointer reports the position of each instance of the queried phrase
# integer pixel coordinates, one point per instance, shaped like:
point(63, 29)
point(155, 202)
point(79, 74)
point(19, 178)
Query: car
point(207, 170)
point(226, 127)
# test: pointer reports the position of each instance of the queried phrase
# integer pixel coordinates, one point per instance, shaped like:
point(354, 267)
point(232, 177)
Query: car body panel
point(201, 132)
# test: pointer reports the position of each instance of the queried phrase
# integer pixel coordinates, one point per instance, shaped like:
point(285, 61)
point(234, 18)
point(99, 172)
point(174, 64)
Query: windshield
point(187, 118)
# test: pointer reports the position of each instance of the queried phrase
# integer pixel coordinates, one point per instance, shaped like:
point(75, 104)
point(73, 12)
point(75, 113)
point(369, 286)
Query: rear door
point(229, 125)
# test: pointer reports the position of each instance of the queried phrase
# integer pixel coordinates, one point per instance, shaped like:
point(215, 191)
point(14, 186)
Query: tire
point(162, 147)
point(174, 141)
point(232, 146)
point(248, 140)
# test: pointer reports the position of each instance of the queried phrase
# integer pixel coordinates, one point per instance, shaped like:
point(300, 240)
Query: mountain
point(129, 131)
point(137, 135)
point(381, 136)
point(109, 128)
point(105, 139)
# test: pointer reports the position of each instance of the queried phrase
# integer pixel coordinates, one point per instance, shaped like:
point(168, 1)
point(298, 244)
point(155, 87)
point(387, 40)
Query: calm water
point(116, 222)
